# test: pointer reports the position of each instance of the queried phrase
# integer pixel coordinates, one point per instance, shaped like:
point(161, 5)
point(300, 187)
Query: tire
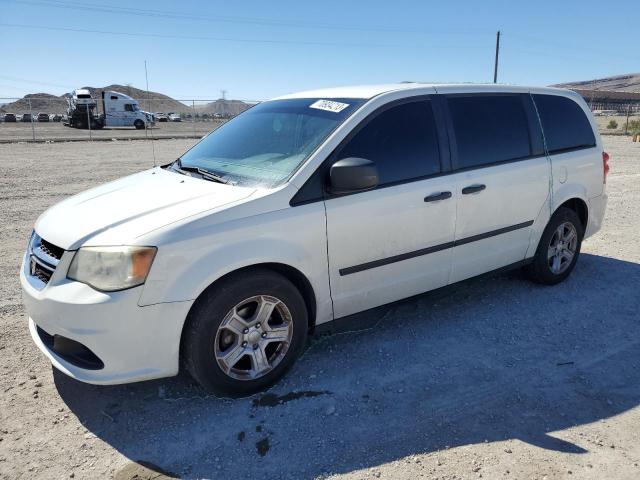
point(139, 124)
point(543, 269)
point(226, 356)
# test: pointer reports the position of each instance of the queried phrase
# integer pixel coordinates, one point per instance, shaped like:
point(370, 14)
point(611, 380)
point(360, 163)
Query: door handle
point(434, 197)
point(473, 189)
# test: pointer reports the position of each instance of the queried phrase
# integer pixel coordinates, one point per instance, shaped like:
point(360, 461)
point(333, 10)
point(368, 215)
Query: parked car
point(26, 117)
point(43, 117)
point(304, 210)
point(174, 117)
point(56, 117)
point(9, 117)
point(161, 117)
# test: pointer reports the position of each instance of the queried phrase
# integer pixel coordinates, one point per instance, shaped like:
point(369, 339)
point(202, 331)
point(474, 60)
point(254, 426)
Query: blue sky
point(258, 49)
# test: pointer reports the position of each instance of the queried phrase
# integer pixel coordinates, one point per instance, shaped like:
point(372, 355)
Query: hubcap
point(562, 248)
point(253, 338)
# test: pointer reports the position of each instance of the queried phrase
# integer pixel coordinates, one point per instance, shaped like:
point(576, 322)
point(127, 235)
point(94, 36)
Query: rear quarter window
point(564, 123)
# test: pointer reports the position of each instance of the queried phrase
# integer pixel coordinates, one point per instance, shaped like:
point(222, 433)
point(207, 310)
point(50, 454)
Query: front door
point(393, 241)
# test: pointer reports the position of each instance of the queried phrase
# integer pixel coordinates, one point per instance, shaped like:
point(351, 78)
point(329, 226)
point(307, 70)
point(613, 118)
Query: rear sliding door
point(501, 179)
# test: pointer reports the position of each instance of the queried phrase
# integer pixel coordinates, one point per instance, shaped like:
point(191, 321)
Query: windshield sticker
point(329, 106)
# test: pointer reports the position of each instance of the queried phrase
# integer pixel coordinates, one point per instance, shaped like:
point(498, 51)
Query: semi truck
point(118, 110)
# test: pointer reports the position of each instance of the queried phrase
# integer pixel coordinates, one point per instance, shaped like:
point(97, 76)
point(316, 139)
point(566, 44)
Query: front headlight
point(111, 268)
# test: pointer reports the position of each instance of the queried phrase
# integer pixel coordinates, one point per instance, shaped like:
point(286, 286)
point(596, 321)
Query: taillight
point(605, 166)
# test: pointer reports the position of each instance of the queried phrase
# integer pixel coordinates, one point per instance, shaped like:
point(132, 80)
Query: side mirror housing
point(352, 175)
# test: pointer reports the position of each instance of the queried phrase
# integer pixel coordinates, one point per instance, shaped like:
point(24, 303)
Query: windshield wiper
point(212, 176)
point(204, 174)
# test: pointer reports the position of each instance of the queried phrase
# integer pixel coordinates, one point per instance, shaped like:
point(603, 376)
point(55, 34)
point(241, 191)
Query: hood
point(119, 212)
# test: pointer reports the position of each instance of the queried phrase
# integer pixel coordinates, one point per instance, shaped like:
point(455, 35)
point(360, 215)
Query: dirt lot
point(620, 120)
point(497, 379)
point(57, 131)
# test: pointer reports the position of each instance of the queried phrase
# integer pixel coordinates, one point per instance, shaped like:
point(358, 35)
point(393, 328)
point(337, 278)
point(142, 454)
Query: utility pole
point(495, 68)
point(626, 127)
point(223, 95)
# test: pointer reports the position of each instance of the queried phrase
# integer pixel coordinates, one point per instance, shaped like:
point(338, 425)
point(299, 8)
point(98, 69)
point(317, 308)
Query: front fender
point(295, 237)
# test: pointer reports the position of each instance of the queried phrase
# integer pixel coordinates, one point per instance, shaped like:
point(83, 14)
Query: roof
point(370, 91)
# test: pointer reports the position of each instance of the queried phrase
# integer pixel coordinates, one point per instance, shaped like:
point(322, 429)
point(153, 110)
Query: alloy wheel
point(562, 248)
point(253, 337)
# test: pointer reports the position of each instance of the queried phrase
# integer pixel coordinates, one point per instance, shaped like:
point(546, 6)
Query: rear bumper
point(133, 343)
point(597, 208)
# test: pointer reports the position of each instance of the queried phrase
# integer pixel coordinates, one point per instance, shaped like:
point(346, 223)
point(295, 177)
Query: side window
point(402, 141)
point(489, 129)
point(564, 123)
point(128, 107)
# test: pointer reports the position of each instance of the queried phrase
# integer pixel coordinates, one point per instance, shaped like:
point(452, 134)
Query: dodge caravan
point(307, 209)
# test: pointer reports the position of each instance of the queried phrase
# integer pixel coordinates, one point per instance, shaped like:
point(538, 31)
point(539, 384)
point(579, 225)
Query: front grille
point(50, 249)
point(41, 273)
point(43, 258)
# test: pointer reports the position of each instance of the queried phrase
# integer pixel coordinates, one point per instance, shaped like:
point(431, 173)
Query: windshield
point(266, 144)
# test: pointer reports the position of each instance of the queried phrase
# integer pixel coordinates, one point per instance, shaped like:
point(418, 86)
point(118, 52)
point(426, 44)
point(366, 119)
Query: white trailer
point(119, 110)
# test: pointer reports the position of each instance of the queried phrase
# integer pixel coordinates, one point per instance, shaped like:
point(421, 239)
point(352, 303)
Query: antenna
point(153, 147)
point(495, 67)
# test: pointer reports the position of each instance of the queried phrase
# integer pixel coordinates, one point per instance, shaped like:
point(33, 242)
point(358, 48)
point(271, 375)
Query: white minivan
point(307, 209)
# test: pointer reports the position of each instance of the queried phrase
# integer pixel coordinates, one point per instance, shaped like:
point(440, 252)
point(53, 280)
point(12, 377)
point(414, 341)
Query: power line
point(79, 6)
point(568, 46)
point(34, 82)
point(194, 37)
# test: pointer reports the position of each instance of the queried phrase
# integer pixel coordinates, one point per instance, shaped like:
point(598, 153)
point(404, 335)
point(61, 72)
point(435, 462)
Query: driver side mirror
point(352, 175)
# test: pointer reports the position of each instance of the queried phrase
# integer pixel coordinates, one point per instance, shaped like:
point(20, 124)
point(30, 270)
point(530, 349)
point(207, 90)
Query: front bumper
point(134, 343)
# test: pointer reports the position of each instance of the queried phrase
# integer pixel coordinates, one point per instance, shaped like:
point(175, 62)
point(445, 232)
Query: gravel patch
point(497, 378)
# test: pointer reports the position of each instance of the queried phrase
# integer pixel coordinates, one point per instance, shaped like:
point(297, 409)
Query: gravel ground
point(494, 379)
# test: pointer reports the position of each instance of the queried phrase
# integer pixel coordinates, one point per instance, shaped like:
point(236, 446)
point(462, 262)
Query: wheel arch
point(295, 276)
point(579, 206)
point(574, 199)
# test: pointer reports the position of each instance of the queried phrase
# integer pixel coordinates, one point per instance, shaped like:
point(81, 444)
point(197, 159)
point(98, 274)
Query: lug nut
point(264, 335)
point(245, 331)
point(255, 346)
point(244, 344)
point(257, 325)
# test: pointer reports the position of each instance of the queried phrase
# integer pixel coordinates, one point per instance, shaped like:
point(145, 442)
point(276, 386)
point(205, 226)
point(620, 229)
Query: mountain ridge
point(150, 101)
point(628, 82)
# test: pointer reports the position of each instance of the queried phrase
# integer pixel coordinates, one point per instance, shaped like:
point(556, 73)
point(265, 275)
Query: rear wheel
point(558, 249)
point(243, 334)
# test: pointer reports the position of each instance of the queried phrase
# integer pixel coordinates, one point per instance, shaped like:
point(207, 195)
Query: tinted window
point(564, 123)
point(489, 128)
point(402, 141)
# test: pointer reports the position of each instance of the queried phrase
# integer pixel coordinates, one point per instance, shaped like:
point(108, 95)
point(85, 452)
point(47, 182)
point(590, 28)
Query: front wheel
point(243, 334)
point(558, 249)
point(139, 124)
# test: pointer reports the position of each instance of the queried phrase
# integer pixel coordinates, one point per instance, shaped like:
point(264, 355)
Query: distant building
point(606, 100)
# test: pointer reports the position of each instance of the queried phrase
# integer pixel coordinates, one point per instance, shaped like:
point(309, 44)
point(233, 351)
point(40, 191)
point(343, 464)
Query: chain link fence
point(46, 118)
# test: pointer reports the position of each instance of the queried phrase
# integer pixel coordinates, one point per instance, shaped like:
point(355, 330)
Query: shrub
point(634, 127)
point(612, 125)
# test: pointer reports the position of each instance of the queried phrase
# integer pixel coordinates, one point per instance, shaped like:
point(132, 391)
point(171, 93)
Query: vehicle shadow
point(481, 361)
